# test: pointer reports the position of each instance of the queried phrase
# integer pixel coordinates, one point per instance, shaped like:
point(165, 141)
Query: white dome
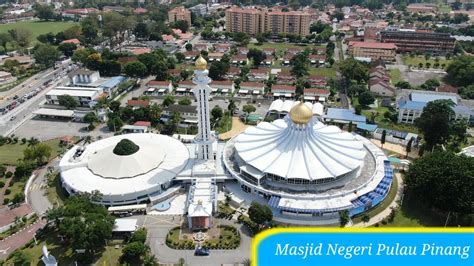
point(313, 151)
point(124, 178)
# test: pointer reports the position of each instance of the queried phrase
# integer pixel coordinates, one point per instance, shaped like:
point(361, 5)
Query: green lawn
point(281, 47)
point(17, 187)
point(416, 60)
point(37, 27)
point(326, 72)
point(56, 193)
point(383, 122)
point(11, 153)
point(224, 125)
point(395, 76)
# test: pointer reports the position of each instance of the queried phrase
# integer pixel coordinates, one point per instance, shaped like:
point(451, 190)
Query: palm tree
point(33, 142)
point(87, 139)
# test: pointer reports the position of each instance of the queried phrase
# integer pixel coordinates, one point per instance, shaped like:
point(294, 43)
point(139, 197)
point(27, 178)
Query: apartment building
point(179, 13)
point(373, 50)
point(254, 21)
point(416, 41)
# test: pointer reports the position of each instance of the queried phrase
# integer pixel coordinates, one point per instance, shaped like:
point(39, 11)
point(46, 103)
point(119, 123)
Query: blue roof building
point(343, 116)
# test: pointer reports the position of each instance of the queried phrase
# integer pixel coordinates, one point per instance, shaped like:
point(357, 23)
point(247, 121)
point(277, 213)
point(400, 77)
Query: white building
point(307, 171)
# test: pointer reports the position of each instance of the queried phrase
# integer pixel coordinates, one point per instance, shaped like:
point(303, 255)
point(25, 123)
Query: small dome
point(301, 114)
point(201, 63)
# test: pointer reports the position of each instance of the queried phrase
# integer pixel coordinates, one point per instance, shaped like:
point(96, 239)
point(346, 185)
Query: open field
point(11, 153)
point(37, 27)
point(395, 75)
point(321, 71)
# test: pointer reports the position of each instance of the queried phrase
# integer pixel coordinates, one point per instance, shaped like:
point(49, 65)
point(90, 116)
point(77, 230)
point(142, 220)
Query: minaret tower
point(202, 91)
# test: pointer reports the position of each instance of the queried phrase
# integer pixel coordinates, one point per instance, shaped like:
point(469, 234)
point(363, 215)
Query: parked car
point(200, 251)
point(12, 118)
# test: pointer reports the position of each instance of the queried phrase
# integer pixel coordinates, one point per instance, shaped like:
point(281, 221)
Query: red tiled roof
point(142, 123)
point(140, 103)
point(186, 82)
point(140, 10)
point(316, 91)
point(222, 82)
point(158, 83)
point(74, 41)
point(252, 84)
point(259, 71)
point(283, 87)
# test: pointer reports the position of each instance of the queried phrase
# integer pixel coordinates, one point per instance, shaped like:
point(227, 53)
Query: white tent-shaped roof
point(312, 151)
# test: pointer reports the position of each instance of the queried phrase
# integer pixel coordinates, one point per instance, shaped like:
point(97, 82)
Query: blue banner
point(354, 247)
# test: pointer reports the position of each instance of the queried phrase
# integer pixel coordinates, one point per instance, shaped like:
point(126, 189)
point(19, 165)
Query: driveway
point(158, 227)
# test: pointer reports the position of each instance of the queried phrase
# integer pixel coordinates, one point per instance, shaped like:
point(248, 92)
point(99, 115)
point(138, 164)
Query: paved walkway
point(394, 204)
point(19, 239)
point(237, 128)
point(397, 148)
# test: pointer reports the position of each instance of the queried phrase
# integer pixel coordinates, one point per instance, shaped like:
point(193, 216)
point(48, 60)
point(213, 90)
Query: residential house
point(221, 47)
point(259, 74)
point(243, 50)
point(157, 87)
point(191, 55)
point(287, 59)
point(232, 73)
point(215, 56)
point(188, 114)
point(239, 60)
point(285, 91)
point(381, 87)
point(317, 81)
point(185, 87)
point(315, 94)
point(222, 86)
point(268, 61)
point(255, 88)
point(269, 51)
point(135, 104)
point(200, 47)
point(285, 78)
point(317, 59)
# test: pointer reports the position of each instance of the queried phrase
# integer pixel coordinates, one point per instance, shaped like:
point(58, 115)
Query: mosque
point(303, 169)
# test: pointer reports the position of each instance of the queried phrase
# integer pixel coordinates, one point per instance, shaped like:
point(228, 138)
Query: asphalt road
point(24, 111)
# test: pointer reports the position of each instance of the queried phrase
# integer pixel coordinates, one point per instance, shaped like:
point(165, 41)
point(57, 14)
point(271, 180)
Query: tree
point(434, 122)
point(24, 169)
point(168, 100)
point(431, 84)
point(148, 59)
point(241, 37)
point(180, 24)
point(259, 213)
point(21, 36)
point(5, 38)
point(67, 48)
point(135, 69)
point(408, 147)
point(68, 101)
point(248, 108)
point(257, 56)
point(382, 139)
point(39, 153)
point(85, 224)
point(46, 55)
point(188, 47)
point(184, 101)
point(461, 71)
point(44, 12)
point(141, 30)
point(403, 85)
point(134, 250)
point(139, 236)
point(160, 70)
point(110, 68)
point(300, 63)
point(366, 98)
point(231, 107)
point(344, 218)
point(218, 70)
point(365, 218)
point(91, 118)
point(216, 113)
point(352, 69)
point(443, 180)
point(72, 32)
point(90, 29)
point(81, 55)
point(114, 124)
point(54, 215)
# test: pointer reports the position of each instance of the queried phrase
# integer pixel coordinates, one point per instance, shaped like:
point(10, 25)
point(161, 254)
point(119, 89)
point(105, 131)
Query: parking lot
point(45, 129)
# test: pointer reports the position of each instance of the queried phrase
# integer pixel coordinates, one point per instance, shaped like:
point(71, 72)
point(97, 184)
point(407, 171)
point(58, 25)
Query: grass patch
point(37, 27)
point(326, 72)
point(229, 238)
point(395, 75)
point(416, 60)
point(56, 193)
point(11, 153)
point(16, 188)
point(111, 254)
point(225, 124)
point(383, 122)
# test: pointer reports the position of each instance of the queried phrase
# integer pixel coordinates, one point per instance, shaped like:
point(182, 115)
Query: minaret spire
point(202, 91)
